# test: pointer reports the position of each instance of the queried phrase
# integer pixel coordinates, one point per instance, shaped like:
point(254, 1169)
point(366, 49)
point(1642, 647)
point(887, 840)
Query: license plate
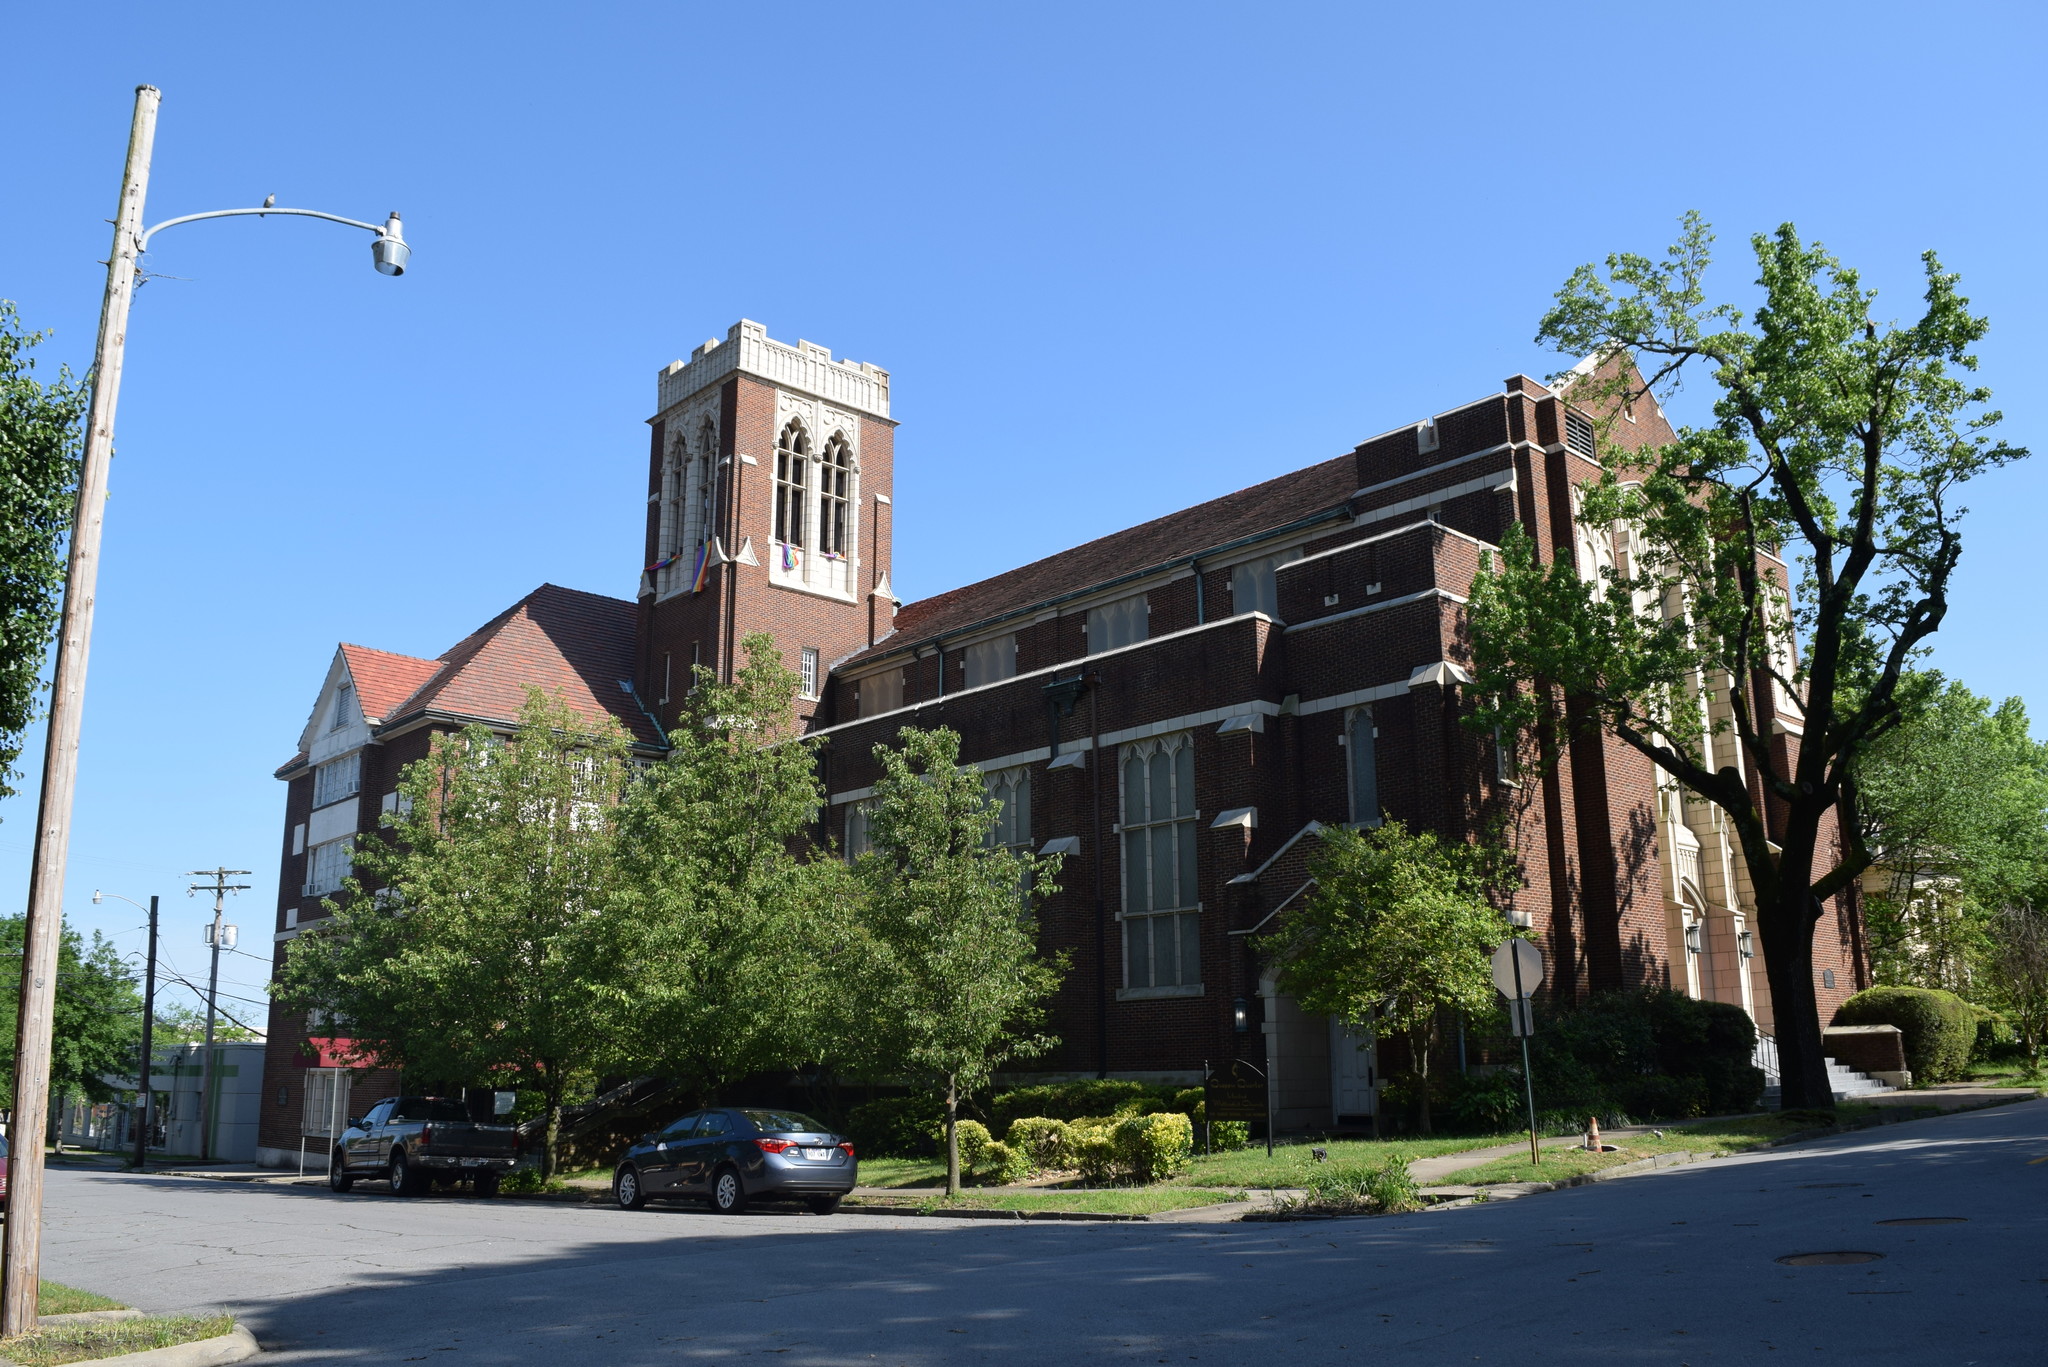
point(819, 1155)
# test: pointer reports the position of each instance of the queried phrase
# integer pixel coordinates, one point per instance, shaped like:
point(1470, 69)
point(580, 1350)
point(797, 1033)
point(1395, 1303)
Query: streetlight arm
point(382, 230)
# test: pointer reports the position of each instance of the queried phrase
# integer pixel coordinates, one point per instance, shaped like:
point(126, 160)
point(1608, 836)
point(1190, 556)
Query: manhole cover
point(1827, 1259)
point(1823, 1186)
point(1929, 1220)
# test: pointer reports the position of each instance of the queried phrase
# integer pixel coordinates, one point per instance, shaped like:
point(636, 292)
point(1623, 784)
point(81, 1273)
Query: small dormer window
point(344, 707)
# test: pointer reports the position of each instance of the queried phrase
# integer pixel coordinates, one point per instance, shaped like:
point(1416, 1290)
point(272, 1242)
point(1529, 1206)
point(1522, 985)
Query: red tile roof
point(1261, 508)
point(384, 680)
point(566, 642)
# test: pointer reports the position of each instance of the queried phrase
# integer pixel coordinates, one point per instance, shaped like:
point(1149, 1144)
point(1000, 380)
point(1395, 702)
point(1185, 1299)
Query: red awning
point(334, 1053)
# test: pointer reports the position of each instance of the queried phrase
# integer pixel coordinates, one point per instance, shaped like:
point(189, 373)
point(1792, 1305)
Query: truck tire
point(626, 1188)
point(406, 1180)
point(728, 1192)
point(486, 1185)
point(338, 1178)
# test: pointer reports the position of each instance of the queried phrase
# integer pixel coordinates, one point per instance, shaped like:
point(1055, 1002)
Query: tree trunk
point(952, 1137)
point(1419, 1043)
point(552, 1137)
point(1787, 927)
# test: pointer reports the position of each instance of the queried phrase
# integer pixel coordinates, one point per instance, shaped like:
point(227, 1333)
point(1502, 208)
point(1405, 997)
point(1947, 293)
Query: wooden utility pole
point(20, 1263)
point(220, 887)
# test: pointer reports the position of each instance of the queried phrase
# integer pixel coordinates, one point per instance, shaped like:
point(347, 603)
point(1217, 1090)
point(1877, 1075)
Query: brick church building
point(1179, 708)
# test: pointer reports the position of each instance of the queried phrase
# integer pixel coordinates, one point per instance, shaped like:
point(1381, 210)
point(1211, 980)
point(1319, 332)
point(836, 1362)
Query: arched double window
point(835, 494)
point(707, 481)
point(792, 480)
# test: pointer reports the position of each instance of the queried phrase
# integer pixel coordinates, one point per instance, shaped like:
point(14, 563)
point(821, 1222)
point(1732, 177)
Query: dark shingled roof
point(1263, 507)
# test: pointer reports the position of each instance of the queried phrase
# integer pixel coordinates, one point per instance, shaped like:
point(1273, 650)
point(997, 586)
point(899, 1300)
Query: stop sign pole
point(1517, 972)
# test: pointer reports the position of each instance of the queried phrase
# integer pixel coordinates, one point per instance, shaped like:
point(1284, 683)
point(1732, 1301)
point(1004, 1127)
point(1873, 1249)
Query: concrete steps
point(1848, 1085)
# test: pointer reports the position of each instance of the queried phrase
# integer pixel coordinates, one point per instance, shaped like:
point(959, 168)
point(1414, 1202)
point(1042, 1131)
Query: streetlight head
point(96, 894)
point(389, 251)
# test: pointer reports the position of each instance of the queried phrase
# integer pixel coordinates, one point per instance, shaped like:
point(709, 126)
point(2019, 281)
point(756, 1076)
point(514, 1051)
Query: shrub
point(1383, 1187)
point(1487, 1102)
point(1094, 1154)
point(996, 1163)
point(1230, 1134)
point(1651, 1053)
point(1042, 1140)
point(896, 1127)
point(1224, 1134)
point(1075, 1100)
point(973, 1138)
point(1938, 1026)
point(1996, 1039)
point(1156, 1146)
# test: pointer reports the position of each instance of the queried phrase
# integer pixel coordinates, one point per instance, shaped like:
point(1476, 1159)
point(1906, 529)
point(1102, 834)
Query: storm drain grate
point(1828, 1259)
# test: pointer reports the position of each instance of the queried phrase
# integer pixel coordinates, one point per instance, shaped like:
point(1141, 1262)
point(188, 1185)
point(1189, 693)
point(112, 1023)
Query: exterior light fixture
point(1745, 943)
point(389, 250)
point(1240, 1015)
point(1692, 938)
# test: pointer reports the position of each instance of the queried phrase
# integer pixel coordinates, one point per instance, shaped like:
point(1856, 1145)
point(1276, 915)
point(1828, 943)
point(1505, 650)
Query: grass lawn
point(1716, 1137)
point(1103, 1201)
point(1251, 1168)
point(2005, 1073)
point(55, 1298)
point(81, 1342)
point(902, 1172)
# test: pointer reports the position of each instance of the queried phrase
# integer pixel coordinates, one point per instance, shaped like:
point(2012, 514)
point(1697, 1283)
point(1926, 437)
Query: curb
point(91, 1317)
point(1099, 1217)
point(237, 1345)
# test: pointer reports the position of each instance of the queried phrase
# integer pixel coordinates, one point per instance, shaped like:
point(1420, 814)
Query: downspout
point(940, 644)
point(1101, 857)
point(1196, 566)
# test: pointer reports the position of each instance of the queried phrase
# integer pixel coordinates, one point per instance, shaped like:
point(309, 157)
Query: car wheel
point(626, 1189)
point(338, 1178)
point(823, 1205)
point(728, 1193)
point(406, 1180)
point(486, 1184)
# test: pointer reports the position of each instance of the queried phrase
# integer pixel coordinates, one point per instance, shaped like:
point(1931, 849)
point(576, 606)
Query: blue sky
point(1118, 258)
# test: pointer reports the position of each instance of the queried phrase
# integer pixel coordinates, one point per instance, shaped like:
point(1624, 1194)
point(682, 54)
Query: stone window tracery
point(792, 487)
point(1161, 915)
point(835, 492)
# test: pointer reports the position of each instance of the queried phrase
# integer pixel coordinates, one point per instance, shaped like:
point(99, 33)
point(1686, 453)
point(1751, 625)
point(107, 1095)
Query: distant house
point(175, 1077)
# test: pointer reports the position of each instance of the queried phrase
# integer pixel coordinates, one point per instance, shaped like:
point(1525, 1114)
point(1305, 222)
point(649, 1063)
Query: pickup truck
point(415, 1142)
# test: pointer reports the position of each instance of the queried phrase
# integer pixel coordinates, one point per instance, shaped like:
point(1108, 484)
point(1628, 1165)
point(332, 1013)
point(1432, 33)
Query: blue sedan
point(731, 1155)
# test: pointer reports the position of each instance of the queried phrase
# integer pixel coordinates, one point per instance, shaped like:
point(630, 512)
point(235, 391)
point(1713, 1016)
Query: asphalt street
point(1675, 1267)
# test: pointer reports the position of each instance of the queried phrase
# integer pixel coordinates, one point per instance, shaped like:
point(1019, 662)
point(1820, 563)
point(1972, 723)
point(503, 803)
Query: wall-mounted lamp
point(1693, 938)
point(1745, 943)
point(1240, 1015)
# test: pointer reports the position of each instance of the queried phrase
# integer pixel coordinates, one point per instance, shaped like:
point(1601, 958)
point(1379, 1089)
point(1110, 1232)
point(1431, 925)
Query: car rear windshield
point(432, 1108)
point(784, 1122)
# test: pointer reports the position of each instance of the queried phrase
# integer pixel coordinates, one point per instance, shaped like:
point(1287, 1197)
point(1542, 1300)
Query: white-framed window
point(1594, 545)
point(792, 489)
point(858, 839)
point(881, 692)
point(324, 1104)
point(1121, 623)
point(1162, 922)
point(1255, 585)
point(344, 707)
point(990, 661)
point(1361, 752)
point(338, 779)
point(807, 672)
point(329, 865)
point(1012, 789)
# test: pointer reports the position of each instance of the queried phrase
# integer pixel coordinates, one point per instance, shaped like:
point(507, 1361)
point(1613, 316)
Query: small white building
point(175, 1078)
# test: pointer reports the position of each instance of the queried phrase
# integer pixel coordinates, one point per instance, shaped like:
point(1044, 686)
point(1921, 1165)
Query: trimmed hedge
point(1996, 1039)
point(1079, 1100)
point(1939, 1028)
point(896, 1126)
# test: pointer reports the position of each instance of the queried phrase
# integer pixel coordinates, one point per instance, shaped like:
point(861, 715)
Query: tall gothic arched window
point(835, 492)
point(707, 479)
point(792, 482)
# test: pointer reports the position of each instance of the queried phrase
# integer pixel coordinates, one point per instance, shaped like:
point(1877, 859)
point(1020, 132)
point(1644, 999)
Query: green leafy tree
point(1397, 931)
point(1955, 812)
point(2016, 963)
point(720, 933)
point(956, 978)
point(177, 1023)
point(1838, 439)
point(97, 1023)
point(40, 429)
point(473, 962)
